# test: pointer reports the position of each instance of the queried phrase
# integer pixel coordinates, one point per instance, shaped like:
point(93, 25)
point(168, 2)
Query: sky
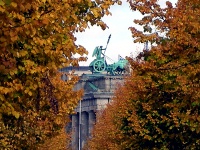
point(121, 41)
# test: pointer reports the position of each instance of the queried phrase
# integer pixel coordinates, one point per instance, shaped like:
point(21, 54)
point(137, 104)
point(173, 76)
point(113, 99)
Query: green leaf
point(7, 2)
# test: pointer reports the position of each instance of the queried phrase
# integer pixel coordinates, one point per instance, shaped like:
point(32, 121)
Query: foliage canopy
point(158, 105)
point(37, 39)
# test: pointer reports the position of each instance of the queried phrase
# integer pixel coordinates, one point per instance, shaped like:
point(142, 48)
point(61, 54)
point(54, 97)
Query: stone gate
point(98, 92)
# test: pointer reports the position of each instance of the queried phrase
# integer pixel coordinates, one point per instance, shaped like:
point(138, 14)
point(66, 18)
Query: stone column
point(75, 131)
point(92, 120)
point(84, 127)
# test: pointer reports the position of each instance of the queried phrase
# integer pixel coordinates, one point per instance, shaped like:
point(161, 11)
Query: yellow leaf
point(14, 38)
point(2, 98)
point(45, 21)
point(23, 53)
point(95, 12)
point(33, 51)
point(2, 39)
point(18, 54)
point(2, 3)
point(2, 9)
point(33, 71)
point(16, 114)
point(18, 87)
point(13, 4)
point(26, 91)
point(30, 93)
point(58, 120)
point(6, 90)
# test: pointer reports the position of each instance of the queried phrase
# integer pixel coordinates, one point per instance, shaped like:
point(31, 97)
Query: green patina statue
point(99, 64)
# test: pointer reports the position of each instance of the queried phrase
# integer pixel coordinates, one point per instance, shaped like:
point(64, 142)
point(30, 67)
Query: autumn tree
point(158, 106)
point(36, 40)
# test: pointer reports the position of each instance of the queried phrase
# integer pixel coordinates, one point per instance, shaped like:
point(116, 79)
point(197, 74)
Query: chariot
point(99, 64)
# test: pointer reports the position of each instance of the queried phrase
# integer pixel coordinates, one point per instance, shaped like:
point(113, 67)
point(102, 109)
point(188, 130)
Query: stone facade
point(98, 92)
